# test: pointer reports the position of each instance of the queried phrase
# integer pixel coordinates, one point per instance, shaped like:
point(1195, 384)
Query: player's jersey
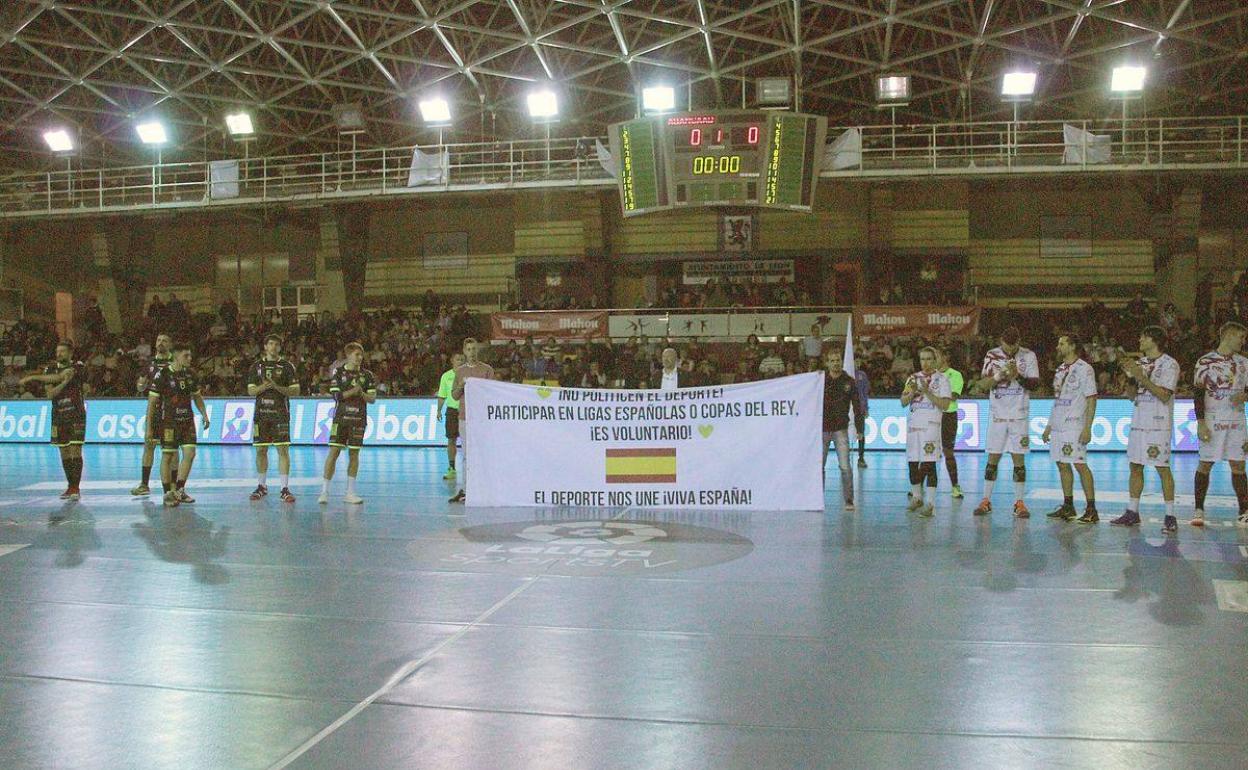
point(176, 390)
point(1222, 377)
point(1073, 385)
point(271, 405)
point(1150, 412)
point(69, 402)
point(1009, 400)
point(353, 410)
point(155, 366)
point(923, 413)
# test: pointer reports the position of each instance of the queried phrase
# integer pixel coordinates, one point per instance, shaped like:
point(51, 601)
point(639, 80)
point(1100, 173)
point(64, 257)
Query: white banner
point(223, 175)
point(429, 168)
point(754, 446)
point(1084, 146)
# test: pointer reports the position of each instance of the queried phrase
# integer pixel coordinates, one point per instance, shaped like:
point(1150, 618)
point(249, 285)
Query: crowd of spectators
point(676, 295)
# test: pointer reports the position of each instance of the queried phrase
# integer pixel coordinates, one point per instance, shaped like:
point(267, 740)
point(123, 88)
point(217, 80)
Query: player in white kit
point(1070, 428)
point(1010, 372)
point(1221, 387)
point(1152, 423)
point(927, 394)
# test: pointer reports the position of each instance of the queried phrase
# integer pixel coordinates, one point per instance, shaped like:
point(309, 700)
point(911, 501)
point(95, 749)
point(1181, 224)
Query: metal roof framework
point(97, 66)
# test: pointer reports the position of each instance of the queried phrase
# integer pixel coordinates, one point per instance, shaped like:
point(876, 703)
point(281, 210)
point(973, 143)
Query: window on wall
point(292, 303)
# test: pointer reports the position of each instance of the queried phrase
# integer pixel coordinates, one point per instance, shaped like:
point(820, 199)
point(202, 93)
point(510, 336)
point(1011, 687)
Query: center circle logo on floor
point(580, 547)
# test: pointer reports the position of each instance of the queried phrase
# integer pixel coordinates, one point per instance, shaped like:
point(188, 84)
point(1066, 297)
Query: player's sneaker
point(1064, 512)
point(1089, 516)
point(849, 505)
point(956, 492)
point(323, 499)
point(352, 499)
point(458, 498)
point(287, 497)
point(183, 497)
point(862, 463)
point(141, 490)
point(74, 495)
point(65, 495)
point(1198, 518)
point(1020, 510)
point(927, 510)
point(984, 508)
point(1128, 518)
point(1243, 519)
point(914, 504)
point(1170, 525)
point(171, 499)
point(259, 492)
point(449, 475)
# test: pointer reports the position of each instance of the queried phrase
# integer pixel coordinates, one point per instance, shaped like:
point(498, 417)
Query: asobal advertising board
point(413, 422)
point(391, 421)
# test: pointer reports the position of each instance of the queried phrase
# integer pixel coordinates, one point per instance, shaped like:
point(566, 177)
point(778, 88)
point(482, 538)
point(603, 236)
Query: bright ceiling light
point(892, 89)
point(1018, 84)
point(152, 132)
point(239, 124)
point(658, 99)
point(435, 111)
point(543, 104)
point(1127, 79)
point(59, 140)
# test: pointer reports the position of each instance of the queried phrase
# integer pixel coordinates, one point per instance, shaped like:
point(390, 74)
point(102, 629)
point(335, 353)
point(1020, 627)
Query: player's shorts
point(1008, 437)
point(346, 435)
point(1149, 447)
point(452, 423)
point(1229, 442)
point(269, 431)
point(177, 435)
point(69, 430)
point(1065, 447)
point(923, 444)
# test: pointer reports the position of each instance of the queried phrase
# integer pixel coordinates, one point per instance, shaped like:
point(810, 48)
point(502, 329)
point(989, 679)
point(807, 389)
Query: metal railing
point(886, 151)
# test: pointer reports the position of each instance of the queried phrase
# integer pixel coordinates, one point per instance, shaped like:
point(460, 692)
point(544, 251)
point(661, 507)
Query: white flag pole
point(851, 369)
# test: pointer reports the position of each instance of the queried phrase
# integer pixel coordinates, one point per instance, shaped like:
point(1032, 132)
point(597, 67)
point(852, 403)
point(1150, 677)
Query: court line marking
point(404, 671)
point(8, 549)
point(1149, 498)
point(302, 481)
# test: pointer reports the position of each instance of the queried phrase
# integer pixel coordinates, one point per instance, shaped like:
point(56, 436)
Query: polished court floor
point(234, 634)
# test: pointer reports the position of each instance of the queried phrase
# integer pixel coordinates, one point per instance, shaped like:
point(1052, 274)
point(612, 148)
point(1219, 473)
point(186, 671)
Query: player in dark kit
point(353, 389)
point(272, 381)
point(169, 406)
point(161, 356)
point(62, 381)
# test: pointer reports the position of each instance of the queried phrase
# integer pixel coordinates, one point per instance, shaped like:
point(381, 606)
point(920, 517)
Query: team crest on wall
point(736, 233)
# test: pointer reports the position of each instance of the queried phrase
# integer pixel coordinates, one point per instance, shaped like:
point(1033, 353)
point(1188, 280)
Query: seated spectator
point(772, 364)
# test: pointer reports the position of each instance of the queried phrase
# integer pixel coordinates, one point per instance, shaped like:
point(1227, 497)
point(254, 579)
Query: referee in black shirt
point(840, 393)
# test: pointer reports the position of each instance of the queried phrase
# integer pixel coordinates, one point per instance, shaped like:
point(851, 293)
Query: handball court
point(232, 634)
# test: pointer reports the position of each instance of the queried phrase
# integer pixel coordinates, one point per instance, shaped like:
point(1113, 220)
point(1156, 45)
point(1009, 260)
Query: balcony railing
point(989, 148)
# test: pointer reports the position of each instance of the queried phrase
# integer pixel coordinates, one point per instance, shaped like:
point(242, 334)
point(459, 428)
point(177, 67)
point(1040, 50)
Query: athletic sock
point(147, 474)
point(1019, 488)
point(181, 484)
point(1202, 489)
point(1135, 504)
point(1169, 507)
point(325, 486)
point(916, 490)
point(285, 481)
point(350, 485)
point(165, 485)
point(988, 485)
point(263, 479)
point(1068, 501)
point(1239, 482)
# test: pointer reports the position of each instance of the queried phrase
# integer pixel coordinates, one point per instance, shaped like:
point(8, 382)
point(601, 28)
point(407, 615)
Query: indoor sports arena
point(623, 384)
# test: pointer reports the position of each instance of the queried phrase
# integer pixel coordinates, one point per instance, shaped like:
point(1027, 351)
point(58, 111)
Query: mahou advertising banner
point(915, 320)
point(543, 324)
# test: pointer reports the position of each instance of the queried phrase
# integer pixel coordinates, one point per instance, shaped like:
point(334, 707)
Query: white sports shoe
point(353, 499)
point(323, 499)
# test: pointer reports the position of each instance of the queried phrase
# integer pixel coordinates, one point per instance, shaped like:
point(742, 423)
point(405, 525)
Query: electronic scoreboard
point(731, 158)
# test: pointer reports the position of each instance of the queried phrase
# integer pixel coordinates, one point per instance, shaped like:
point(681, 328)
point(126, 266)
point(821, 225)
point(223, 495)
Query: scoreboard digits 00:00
point(717, 164)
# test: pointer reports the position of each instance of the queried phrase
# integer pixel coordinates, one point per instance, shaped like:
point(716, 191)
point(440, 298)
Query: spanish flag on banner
point(641, 466)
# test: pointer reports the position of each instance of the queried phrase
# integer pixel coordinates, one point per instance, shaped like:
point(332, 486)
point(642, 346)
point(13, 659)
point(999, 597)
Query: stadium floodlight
point(1018, 85)
point(152, 132)
point(658, 99)
point(435, 111)
point(59, 140)
point(1128, 79)
point(892, 90)
point(543, 104)
point(239, 124)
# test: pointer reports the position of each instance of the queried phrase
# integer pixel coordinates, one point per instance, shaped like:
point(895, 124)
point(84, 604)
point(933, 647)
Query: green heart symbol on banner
point(706, 430)
point(544, 392)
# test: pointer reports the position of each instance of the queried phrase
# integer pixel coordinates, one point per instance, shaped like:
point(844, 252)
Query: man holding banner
point(469, 369)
